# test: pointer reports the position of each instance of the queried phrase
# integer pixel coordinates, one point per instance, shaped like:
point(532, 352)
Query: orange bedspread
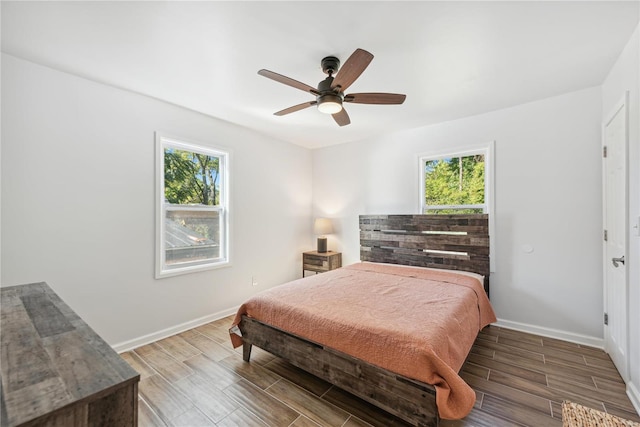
point(417, 322)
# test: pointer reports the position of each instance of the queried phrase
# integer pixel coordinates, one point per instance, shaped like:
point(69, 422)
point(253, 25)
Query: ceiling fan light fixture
point(330, 104)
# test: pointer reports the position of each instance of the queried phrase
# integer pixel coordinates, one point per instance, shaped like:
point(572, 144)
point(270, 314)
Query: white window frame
point(162, 270)
point(487, 150)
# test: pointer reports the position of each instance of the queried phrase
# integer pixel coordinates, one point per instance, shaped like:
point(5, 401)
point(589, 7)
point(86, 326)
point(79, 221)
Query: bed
point(393, 329)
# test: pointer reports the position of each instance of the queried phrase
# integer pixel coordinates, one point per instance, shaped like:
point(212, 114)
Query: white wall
point(548, 195)
point(625, 76)
point(78, 203)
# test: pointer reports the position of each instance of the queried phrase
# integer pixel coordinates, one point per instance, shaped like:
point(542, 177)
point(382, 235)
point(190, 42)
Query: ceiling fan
point(330, 92)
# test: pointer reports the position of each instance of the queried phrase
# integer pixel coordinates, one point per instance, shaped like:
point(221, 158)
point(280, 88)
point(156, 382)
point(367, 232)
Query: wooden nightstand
point(321, 262)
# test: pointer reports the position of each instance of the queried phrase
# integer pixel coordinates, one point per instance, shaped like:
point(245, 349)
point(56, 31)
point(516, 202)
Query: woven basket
point(574, 415)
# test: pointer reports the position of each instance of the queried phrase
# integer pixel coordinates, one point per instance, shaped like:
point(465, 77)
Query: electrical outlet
point(254, 282)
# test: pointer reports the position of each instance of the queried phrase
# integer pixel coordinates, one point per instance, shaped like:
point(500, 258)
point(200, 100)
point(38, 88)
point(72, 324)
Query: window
point(459, 182)
point(454, 184)
point(192, 218)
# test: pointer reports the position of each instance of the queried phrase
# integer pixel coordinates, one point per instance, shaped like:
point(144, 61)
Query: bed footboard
point(411, 400)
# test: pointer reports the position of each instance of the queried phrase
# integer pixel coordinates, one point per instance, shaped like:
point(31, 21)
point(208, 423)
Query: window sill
point(191, 269)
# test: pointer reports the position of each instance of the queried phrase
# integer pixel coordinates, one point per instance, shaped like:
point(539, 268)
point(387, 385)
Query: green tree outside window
point(455, 181)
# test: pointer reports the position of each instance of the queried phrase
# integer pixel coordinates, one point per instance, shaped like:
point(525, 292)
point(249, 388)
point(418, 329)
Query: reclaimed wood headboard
point(452, 242)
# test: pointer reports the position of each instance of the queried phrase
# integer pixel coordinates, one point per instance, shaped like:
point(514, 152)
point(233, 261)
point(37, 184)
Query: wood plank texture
point(453, 242)
point(406, 398)
point(514, 383)
point(55, 369)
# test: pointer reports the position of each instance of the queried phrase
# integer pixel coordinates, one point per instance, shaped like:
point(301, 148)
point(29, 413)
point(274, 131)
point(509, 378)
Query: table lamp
point(322, 226)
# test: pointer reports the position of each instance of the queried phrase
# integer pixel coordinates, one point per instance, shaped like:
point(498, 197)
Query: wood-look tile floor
point(196, 379)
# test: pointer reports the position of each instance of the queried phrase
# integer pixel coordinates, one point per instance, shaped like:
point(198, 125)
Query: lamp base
point(322, 244)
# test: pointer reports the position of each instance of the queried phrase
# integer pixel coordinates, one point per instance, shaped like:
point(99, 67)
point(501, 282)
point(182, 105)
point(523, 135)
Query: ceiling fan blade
point(375, 98)
point(351, 69)
point(288, 81)
point(341, 117)
point(295, 108)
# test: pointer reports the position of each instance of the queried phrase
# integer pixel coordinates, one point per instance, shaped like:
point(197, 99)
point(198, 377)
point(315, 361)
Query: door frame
point(622, 104)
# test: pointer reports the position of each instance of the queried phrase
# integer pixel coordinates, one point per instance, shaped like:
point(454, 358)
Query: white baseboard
point(552, 333)
point(634, 395)
point(155, 336)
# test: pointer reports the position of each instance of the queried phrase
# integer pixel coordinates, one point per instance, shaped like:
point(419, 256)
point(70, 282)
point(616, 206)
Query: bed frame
point(453, 242)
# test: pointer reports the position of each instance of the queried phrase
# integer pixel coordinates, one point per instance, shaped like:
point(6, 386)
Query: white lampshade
point(322, 226)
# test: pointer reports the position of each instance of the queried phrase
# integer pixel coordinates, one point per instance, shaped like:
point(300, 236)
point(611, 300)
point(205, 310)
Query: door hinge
point(606, 319)
point(604, 151)
point(606, 235)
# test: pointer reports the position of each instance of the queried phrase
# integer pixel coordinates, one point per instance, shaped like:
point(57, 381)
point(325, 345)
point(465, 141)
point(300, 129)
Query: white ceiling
point(451, 59)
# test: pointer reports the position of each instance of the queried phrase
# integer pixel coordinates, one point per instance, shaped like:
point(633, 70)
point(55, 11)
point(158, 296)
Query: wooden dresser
point(56, 371)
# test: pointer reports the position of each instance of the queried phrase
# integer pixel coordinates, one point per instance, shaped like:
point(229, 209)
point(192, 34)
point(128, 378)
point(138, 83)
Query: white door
point(615, 224)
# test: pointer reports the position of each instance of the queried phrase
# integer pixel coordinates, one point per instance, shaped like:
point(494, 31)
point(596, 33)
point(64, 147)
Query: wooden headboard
point(452, 242)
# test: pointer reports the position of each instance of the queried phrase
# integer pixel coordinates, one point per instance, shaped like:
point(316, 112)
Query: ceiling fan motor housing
point(327, 94)
point(330, 97)
point(330, 65)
